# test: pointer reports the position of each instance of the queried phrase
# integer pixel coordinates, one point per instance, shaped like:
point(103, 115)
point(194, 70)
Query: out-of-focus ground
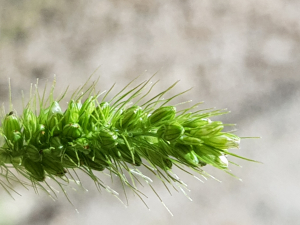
point(240, 55)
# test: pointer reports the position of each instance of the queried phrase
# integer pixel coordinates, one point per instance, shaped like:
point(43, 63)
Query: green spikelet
point(33, 153)
point(162, 115)
point(54, 120)
point(171, 132)
point(117, 135)
point(34, 169)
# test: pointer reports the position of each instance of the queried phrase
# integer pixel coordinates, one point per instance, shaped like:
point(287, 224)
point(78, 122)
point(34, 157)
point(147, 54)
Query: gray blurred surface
point(243, 56)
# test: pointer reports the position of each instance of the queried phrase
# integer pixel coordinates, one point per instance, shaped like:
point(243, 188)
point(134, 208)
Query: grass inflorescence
point(118, 135)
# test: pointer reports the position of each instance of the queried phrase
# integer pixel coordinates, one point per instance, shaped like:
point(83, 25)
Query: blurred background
point(239, 55)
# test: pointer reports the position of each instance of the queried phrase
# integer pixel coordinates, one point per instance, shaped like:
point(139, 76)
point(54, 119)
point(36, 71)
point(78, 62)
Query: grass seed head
point(96, 135)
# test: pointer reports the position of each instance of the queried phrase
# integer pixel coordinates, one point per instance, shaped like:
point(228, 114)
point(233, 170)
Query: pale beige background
point(240, 55)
